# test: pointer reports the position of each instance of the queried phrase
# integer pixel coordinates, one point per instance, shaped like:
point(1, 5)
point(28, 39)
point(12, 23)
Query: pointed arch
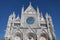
point(32, 35)
point(18, 35)
point(44, 36)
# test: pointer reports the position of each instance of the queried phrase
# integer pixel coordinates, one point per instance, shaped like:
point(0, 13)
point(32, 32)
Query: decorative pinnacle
point(18, 16)
point(13, 13)
point(30, 3)
point(37, 9)
point(41, 15)
point(47, 14)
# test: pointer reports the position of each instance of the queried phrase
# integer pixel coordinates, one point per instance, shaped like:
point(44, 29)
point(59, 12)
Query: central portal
point(42, 38)
point(17, 38)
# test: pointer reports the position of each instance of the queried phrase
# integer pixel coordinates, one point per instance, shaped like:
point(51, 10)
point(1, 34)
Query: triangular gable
point(30, 9)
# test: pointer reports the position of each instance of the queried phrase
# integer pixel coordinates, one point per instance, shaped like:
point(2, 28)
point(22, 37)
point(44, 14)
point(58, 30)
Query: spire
point(37, 9)
point(22, 9)
point(13, 14)
point(30, 3)
point(18, 16)
point(47, 14)
point(30, 8)
point(41, 15)
point(42, 18)
point(10, 16)
point(38, 13)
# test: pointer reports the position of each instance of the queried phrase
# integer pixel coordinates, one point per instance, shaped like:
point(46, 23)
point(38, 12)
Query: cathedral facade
point(31, 26)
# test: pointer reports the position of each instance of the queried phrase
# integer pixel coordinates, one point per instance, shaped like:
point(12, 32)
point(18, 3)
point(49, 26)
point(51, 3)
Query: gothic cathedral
point(31, 26)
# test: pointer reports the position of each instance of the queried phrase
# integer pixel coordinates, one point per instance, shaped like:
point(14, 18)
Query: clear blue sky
point(50, 6)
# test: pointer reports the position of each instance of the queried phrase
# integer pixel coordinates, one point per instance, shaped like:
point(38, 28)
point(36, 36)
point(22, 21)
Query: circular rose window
point(30, 20)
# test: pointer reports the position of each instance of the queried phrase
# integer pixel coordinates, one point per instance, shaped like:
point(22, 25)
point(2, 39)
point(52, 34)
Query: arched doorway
point(32, 36)
point(18, 36)
point(43, 36)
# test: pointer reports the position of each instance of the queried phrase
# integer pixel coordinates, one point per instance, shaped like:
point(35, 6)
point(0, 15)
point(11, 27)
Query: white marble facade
point(31, 26)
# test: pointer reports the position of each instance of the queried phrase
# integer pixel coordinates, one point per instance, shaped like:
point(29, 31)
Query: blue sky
point(50, 6)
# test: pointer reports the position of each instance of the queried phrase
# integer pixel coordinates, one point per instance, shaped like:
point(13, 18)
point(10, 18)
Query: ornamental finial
point(30, 3)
